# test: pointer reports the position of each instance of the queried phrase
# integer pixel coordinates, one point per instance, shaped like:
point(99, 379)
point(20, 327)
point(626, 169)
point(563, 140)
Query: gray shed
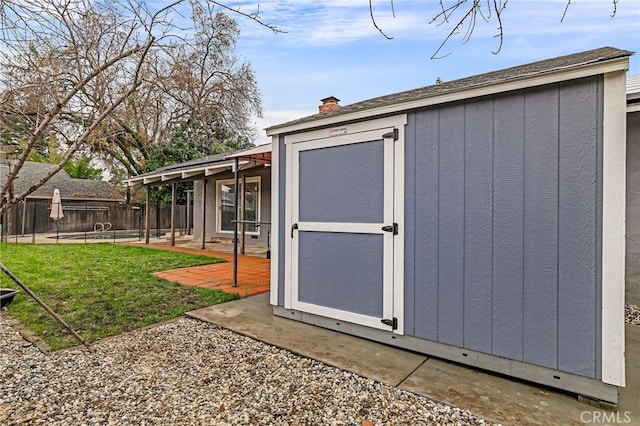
point(479, 220)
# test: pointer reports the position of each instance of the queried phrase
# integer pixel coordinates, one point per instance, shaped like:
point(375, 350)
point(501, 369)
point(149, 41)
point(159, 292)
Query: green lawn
point(99, 289)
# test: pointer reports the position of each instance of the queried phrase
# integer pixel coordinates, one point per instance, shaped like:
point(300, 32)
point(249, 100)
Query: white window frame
point(219, 183)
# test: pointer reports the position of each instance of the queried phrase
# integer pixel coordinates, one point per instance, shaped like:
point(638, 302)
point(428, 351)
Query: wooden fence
point(33, 217)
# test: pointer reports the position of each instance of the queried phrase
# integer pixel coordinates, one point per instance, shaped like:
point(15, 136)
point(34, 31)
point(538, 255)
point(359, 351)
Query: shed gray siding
point(502, 212)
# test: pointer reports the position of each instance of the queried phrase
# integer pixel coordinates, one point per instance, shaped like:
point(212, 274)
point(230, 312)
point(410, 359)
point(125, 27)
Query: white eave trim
point(182, 174)
point(170, 176)
point(555, 76)
point(148, 180)
point(191, 173)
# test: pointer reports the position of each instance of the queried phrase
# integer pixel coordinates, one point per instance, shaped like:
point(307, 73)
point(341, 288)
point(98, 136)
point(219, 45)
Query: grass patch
point(99, 289)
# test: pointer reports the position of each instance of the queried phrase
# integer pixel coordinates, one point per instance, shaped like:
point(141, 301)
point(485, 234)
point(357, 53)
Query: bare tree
point(75, 68)
point(201, 83)
point(463, 16)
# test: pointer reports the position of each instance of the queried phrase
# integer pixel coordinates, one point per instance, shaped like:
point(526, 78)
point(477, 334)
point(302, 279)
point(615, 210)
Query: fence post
point(17, 222)
point(147, 216)
point(86, 207)
point(4, 227)
point(173, 214)
point(33, 227)
point(140, 213)
point(188, 219)
point(158, 219)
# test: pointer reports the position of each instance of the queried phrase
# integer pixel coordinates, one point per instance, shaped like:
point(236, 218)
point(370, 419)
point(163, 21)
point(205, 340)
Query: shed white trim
point(275, 214)
point(398, 214)
point(613, 227)
point(393, 212)
point(397, 121)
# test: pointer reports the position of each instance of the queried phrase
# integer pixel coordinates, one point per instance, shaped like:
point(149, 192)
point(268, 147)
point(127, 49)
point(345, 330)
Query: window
point(226, 198)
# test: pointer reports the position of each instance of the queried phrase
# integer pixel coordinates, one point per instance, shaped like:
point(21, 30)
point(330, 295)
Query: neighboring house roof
point(201, 167)
point(70, 188)
point(407, 100)
point(633, 90)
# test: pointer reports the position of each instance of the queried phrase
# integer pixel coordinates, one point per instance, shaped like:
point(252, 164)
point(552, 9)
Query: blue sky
point(331, 48)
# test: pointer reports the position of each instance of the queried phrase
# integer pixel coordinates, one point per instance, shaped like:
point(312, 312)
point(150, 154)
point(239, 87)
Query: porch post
point(235, 228)
point(188, 211)
point(243, 215)
point(147, 211)
point(173, 214)
point(204, 213)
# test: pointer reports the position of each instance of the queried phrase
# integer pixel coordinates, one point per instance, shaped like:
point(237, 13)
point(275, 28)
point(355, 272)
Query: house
point(479, 220)
point(214, 195)
point(633, 191)
point(78, 196)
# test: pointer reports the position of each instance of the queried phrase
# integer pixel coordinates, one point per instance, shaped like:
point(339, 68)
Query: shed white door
point(343, 229)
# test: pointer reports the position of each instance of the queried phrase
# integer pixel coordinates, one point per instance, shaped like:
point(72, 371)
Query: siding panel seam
point(558, 137)
point(464, 215)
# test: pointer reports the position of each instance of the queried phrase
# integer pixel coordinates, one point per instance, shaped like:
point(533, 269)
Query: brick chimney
point(329, 104)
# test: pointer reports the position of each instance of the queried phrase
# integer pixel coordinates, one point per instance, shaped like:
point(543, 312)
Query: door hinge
point(391, 228)
point(393, 323)
point(391, 135)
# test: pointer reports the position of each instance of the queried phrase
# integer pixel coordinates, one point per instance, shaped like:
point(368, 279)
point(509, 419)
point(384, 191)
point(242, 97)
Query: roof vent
point(329, 104)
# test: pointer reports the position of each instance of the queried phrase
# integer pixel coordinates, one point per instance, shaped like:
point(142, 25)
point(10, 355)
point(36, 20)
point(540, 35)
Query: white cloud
point(332, 47)
point(335, 22)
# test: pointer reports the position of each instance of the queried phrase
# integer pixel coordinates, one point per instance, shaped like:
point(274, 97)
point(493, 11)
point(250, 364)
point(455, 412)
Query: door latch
point(391, 228)
point(393, 323)
point(293, 228)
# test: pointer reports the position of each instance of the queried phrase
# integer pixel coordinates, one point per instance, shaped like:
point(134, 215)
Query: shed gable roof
point(520, 72)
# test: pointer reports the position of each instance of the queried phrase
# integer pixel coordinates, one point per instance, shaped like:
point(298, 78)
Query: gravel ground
point(188, 372)
point(632, 314)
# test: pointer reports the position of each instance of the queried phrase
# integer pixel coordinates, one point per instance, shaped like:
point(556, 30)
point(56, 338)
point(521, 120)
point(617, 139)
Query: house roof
point(633, 89)
point(407, 99)
point(203, 167)
point(70, 188)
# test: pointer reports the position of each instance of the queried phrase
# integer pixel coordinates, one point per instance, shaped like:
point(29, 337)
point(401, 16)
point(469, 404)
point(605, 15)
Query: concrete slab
point(494, 397)
point(252, 316)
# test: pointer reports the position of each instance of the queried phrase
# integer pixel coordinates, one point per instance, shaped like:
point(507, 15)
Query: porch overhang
point(186, 174)
point(261, 154)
